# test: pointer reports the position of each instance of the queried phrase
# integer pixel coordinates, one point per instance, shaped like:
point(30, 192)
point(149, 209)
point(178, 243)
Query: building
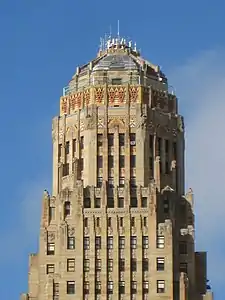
point(118, 224)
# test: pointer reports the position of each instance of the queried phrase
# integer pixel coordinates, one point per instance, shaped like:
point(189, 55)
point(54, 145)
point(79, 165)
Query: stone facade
point(118, 224)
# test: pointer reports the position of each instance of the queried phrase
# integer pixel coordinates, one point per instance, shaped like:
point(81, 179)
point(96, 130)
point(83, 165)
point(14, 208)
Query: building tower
point(118, 225)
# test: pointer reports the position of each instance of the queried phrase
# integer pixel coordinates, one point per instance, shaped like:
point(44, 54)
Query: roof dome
point(118, 61)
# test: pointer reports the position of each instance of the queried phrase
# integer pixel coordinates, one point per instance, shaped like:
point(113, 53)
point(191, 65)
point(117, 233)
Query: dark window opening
point(65, 169)
point(87, 202)
point(121, 139)
point(67, 208)
point(67, 150)
point(133, 201)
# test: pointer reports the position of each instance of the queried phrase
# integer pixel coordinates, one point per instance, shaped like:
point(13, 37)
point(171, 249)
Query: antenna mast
point(118, 28)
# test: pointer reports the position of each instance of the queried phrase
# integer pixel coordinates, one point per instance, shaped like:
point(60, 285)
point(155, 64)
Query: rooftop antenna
point(118, 28)
point(110, 32)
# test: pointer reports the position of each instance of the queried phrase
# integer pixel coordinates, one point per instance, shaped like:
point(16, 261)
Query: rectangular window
point(86, 243)
point(184, 268)
point(133, 161)
point(87, 202)
point(50, 269)
point(144, 202)
point(121, 242)
point(145, 287)
point(71, 242)
point(70, 265)
point(111, 161)
point(151, 141)
point(122, 287)
point(98, 265)
point(70, 287)
point(65, 170)
point(86, 222)
point(81, 161)
point(174, 150)
point(120, 202)
point(145, 221)
point(67, 148)
point(121, 139)
point(116, 81)
point(133, 181)
point(159, 142)
point(183, 247)
point(97, 202)
point(110, 202)
point(109, 221)
point(98, 287)
point(99, 161)
point(110, 265)
point(133, 242)
point(133, 201)
point(81, 143)
point(121, 221)
point(122, 265)
point(86, 287)
point(145, 264)
point(166, 146)
point(51, 213)
point(110, 140)
point(110, 242)
point(59, 151)
point(100, 140)
point(110, 287)
point(67, 210)
point(160, 263)
point(74, 145)
point(99, 182)
point(160, 242)
point(145, 242)
point(121, 181)
point(132, 221)
point(86, 265)
point(160, 286)
point(133, 287)
point(50, 248)
point(98, 244)
point(55, 291)
point(111, 182)
point(122, 161)
point(97, 222)
point(133, 265)
point(132, 139)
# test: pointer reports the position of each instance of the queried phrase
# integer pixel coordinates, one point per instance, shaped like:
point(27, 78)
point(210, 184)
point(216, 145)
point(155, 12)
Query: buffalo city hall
point(118, 225)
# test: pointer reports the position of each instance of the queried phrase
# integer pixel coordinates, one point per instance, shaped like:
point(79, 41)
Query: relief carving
point(71, 231)
point(51, 236)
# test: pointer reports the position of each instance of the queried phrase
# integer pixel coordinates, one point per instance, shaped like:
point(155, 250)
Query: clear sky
point(42, 42)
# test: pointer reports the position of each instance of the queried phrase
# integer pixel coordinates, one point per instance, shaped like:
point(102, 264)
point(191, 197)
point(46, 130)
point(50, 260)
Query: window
point(71, 242)
point(98, 242)
point(86, 287)
point(133, 242)
point(132, 139)
point(121, 202)
point(151, 140)
point(110, 287)
point(55, 291)
point(111, 182)
point(50, 269)
point(97, 222)
point(133, 201)
point(145, 287)
point(51, 213)
point(98, 287)
point(66, 209)
point(122, 161)
point(133, 181)
point(122, 265)
point(133, 265)
point(81, 164)
point(99, 182)
point(121, 242)
point(110, 140)
point(160, 242)
point(85, 222)
point(67, 148)
point(110, 265)
point(145, 221)
point(81, 143)
point(133, 287)
point(110, 242)
point(145, 264)
point(99, 161)
point(70, 287)
point(87, 202)
point(132, 221)
point(51, 249)
point(160, 286)
point(183, 247)
point(86, 265)
point(166, 146)
point(184, 268)
point(65, 170)
point(122, 287)
point(144, 202)
point(159, 146)
point(160, 261)
point(133, 161)
point(110, 202)
point(59, 151)
point(145, 242)
point(97, 202)
point(121, 221)
point(166, 205)
point(175, 150)
point(98, 264)
point(116, 81)
point(70, 265)
point(86, 243)
point(110, 161)
point(100, 140)
point(121, 181)
point(121, 139)
point(74, 145)
point(109, 222)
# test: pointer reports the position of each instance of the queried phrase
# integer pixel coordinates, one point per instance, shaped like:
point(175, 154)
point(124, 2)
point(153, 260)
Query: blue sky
point(42, 42)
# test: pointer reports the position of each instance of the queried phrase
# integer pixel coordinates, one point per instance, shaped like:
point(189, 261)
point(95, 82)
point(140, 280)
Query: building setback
point(118, 225)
